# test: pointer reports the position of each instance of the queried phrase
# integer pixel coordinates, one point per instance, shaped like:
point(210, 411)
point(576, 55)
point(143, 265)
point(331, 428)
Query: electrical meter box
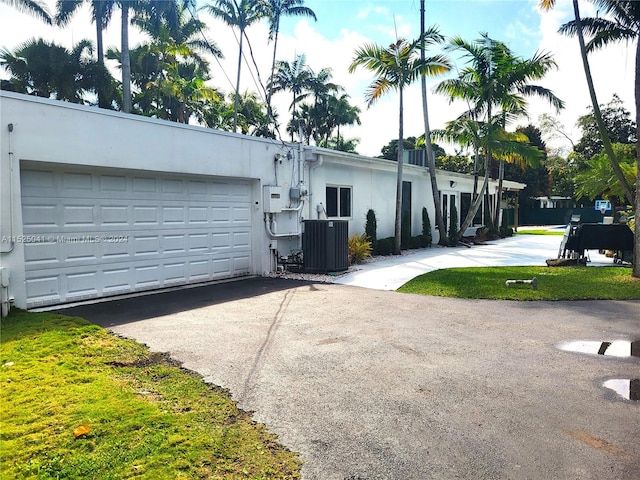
point(274, 200)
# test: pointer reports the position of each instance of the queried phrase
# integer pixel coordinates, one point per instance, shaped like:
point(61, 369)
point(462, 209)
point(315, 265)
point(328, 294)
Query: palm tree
point(34, 7)
point(626, 26)
point(101, 13)
point(490, 137)
point(468, 133)
point(431, 161)
point(126, 56)
point(239, 15)
point(495, 84)
point(599, 179)
point(321, 87)
point(274, 10)
point(396, 67)
point(295, 76)
point(48, 70)
point(169, 71)
point(623, 25)
point(341, 112)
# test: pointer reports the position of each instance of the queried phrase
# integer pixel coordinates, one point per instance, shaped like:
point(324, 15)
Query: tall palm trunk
point(431, 161)
point(397, 246)
point(236, 100)
point(126, 59)
point(99, 27)
point(636, 243)
point(476, 196)
point(102, 101)
point(498, 207)
point(604, 135)
point(273, 69)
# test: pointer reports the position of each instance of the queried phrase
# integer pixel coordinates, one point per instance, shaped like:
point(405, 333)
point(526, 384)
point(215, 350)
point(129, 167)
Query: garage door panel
point(175, 273)
point(173, 244)
point(241, 263)
point(105, 233)
point(198, 215)
point(115, 251)
point(41, 181)
point(146, 215)
point(39, 215)
point(173, 215)
point(241, 215)
point(87, 252)
point(145, 185)
point(36, 253)
point(112, 183)
point(170, 187)
point(82, 284)
point(72, 182)
point(43, 290)
point(79, 216)
point(116, 280)
point(114, 215)
point(221, 266)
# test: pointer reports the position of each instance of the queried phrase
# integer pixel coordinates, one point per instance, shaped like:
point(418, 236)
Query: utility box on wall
point(325, 245)
point(273, 199)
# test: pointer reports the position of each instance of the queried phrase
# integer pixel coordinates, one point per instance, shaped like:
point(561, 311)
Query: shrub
point(384, 246)
point(371, 227)
point(453, 226)
point(419, 241)
point(405, 230)
point(359, 248)
point(426, 228)
point(506, 232)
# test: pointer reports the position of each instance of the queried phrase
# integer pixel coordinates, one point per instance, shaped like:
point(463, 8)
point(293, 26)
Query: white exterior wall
point(373, 182)
point(63, 133)
point(47, 132)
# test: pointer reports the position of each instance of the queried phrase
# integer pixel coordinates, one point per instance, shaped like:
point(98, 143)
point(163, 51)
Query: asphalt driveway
point(369, 384)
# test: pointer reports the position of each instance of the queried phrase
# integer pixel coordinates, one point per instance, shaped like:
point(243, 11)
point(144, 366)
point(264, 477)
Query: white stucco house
point(96, 203)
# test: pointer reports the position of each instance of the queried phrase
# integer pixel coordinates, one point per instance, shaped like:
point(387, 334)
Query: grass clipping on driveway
point(554, 283)
point(79, 402)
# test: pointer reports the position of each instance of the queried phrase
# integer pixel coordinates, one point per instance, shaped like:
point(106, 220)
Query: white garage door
point(100, 232)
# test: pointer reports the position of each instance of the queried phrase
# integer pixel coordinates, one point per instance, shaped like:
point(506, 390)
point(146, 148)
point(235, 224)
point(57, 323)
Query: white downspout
point(318, 163)
point(11, 204)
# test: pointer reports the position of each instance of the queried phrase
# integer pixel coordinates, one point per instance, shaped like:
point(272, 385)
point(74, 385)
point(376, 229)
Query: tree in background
point(48, 70)
point(455, 163)
point(101, 13)
point(390, 150)
point(396, 67)
point(294, 76)
point(535, 176)
point(32, 7)
point(240, 15)
point(274, 10)
point(495, 84)
point(618, 123)
point(599, 181)
point(624, 27)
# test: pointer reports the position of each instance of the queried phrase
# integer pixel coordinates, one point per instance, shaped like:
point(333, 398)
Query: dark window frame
point(339, 201)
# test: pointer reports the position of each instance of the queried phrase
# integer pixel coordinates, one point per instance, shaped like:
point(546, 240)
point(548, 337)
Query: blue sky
point(344, 25)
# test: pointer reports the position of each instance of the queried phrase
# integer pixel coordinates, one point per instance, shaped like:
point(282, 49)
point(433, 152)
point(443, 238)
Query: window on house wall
point(338, 201)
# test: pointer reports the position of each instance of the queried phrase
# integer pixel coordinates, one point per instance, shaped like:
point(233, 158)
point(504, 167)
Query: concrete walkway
point(519, 250)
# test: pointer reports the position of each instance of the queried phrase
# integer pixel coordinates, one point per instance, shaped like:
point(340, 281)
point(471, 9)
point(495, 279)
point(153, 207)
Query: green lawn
point(148, 417)
point(539, 231)
point(554, 283)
